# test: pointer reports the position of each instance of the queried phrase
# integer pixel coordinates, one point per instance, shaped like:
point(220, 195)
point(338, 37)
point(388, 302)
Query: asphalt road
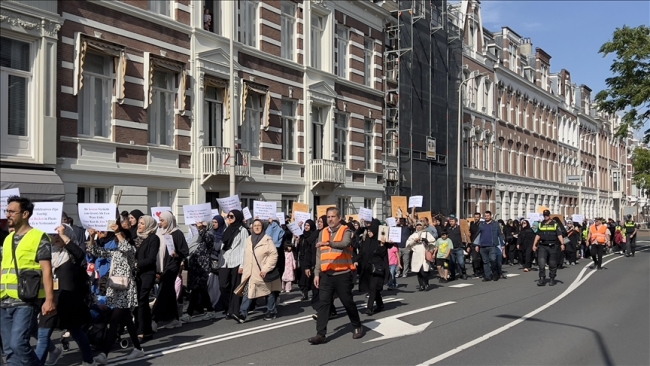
point(589, 318)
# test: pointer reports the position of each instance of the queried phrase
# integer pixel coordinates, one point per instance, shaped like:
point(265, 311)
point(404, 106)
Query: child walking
point(289, 268)
point(442, 252)
point(394, 262)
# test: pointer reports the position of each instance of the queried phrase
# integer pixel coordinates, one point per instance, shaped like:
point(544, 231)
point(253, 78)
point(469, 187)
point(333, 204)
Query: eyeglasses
point(11, 213)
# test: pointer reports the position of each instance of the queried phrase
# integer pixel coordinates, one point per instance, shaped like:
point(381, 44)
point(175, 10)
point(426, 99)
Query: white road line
point(290, 302)
point(512, 275)
point(225, 337)
point(574, 285)
point(461, 285)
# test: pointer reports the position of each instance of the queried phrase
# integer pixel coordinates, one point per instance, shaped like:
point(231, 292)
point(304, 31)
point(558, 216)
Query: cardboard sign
point(265, 210)
point(247, 214)
point(295, 229)
point(423, 214)
point(399, 206)
point(464, 231)
point(229, 203)
point(561, 217)
point(395, 234)
point(97, 215)
point(47, 216)
point(4, 196)
point(390, 221)
point(322, 209)
point(297, 206)
point(415, 201)
point(197, 213)
point(301, 217)
point(383, 233)
point(540, 209)
point(157, 211)
point(281, 218)
point(365, 214)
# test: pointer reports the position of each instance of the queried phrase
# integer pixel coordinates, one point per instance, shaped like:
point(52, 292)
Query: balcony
point(216, 161)
point(327, 171)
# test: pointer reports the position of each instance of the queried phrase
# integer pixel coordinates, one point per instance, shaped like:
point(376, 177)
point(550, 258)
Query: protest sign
point(415, 201)
point(229, 203)
point(4, 196)
point(295, 229)
point(383, 233)
point(395, 234)
point(47, 216)
point(390, 221)
point(97, 215)
point(322, 209)
point(398, 206)
point(280, 217)
point(247, 213)
point(297, 206)
point(197, 213)
point(365, 214)
point(301, 217)
point(578, 218)
point(157, 211)
point(169, 242)
point(265, 210)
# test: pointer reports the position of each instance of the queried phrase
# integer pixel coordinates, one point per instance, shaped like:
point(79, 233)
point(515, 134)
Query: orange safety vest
point(598, 234)
point(337, 260)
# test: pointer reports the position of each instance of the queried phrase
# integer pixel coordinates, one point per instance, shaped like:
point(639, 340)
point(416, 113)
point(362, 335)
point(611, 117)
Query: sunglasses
point(231, 216)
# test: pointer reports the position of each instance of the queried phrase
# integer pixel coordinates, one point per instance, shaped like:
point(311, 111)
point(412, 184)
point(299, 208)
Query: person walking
point(231, 260)
point(457, 265)
point(333, 274)
point(26, 251)
point(199, 266)
point(306, 242)
point(548, 240)
point(474, 249)
point(146, 255)
point(525, 243)
point(489, 238)
point(630, 233)
point(420, 243)
point(404, 252)
point(599, 240)
point(372, 259)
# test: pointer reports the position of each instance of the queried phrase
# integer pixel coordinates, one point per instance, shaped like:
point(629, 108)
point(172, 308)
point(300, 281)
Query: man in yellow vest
point(333, 274)
point(547, 243)
point(630, 233)
point(28, 249)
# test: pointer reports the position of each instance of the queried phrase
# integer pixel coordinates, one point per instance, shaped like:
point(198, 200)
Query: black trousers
point(571, 256)
point(547, 254)
point(145, 283)
point(423, 278)
point(120, 318)
point(199, 300)
point(512, 252)
point(229, 279)
point(630, 245)
point(477, 261)
point(341, 284)
point(527, 252)
point(165, 308)
point(374, 291)
point(597, 252)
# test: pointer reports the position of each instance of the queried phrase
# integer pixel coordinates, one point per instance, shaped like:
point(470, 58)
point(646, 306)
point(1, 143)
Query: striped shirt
point(234, 257)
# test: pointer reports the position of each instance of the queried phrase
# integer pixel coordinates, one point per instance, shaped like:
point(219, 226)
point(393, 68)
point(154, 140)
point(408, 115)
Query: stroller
point(96, 331)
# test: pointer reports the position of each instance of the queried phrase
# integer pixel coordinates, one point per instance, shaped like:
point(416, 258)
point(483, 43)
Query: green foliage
point(628, 89)
point(641, 164)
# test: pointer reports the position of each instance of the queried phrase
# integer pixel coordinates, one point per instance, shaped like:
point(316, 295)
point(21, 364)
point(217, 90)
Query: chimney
point(526, 48)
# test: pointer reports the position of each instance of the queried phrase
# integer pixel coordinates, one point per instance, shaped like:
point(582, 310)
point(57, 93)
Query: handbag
point(117, 283)
point(271, 275)
point(29, 281)
point(376, 271)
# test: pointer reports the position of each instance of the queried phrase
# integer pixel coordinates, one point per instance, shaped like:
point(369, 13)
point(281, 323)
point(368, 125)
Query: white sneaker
point(154, 326)
point(54, 357)
point(136, 353)
point(174, 324)
point(186, 318)
point(209, 316)
point(101, 359)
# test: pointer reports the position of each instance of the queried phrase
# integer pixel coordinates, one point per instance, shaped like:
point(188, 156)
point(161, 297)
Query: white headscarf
point(171, 223)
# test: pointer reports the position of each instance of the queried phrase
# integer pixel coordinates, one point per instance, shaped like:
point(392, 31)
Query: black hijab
point(255, 238)
point(134, 229)
point(232, 230)
point(374, 229)
point(312, 233)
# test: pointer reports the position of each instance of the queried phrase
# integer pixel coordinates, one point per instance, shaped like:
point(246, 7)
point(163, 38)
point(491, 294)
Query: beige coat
point(418, 258)
point(267, 255)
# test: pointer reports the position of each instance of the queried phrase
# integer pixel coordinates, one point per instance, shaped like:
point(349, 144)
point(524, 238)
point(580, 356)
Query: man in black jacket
point(458, 253)
point(477, 261)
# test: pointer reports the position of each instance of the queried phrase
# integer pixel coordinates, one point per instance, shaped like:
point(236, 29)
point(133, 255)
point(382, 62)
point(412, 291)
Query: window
point(212, 16)
point(486, 96)
point(368, 142)
point(497, 159)
point(93, 195)
point(318, 134)
point(287, 204)
point(391, 143)
point(512, 51)
point(288, 130)
point(250, 134)
point(368, 75)
point(248, 22)
point(15, 78)
point(95, 99)
point(369, 203)
point(161, 7)
point(159, 198)
point(316, 36)
point(341, 51)
point(343, 203)
point(213, 116)
point(288, 29)
point(161, 111)
point(341, 137)
point(465, 152)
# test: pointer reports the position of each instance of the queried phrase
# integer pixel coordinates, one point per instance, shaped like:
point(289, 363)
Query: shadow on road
point(604, 352)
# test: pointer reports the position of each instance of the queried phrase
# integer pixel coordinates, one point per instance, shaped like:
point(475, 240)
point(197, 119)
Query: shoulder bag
point(272, 275)
point(29, 281)
point(117, 283)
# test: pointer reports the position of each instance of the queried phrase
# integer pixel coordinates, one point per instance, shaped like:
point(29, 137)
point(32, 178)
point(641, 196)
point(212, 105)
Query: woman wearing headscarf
point(420, 242)
point(525, 242)
point(260, 258)
point(98, 267)
point(146, 255)
point(231, 260)
point(165, 309)
point(306, 241)
point(70, 291)
point(199, 266)
point(372, 265)
point(134, 219)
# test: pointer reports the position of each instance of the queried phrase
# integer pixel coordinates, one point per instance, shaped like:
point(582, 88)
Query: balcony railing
point(216, 161)
point(327, 171)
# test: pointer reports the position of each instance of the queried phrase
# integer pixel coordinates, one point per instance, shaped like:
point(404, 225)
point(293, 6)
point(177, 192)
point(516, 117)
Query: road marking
point(574, 285)
point(290, 302)
point(512, 275)
point(392, 327)
point(225, 337)
point(461, 285)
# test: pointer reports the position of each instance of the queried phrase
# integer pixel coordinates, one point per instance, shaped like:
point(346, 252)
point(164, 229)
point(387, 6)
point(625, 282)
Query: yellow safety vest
point(26, 259)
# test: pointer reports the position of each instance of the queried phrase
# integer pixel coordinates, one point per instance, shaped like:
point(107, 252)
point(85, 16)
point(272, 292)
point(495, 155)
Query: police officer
point(548, 239)
point(630, 233)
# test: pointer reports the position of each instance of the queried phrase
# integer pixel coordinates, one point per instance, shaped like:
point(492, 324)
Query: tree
point(641, 164)
point(629, 89)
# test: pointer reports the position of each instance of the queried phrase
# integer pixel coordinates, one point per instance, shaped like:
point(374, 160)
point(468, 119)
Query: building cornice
point(556, 99)
point(145, 15)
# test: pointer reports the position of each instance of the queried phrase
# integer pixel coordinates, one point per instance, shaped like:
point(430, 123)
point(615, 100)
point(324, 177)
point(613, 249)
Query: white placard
point(390, 221)
point(265, 210)
point(365, 214)
point(280, 217)
point(247, 213)
point(5, 194)
point(157, 211)
point(534, 216)
point(169, 242)
point(47, 216)
point(383, 233)
point(197, 213)
point(415, 201)
point(215, 212)
point(97, 215)
point(302, 217)
point(229, 203)
point(395, 234)
point(578, 218)
point(295, 229)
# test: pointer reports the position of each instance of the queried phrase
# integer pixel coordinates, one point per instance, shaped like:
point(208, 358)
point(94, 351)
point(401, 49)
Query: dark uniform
point(548, 248)
point(630, 247)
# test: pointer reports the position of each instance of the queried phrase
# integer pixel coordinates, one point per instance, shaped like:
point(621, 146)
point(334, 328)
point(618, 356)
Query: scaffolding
point(422, 63)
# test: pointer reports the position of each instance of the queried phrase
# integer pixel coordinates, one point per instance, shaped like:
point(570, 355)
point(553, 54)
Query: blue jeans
point(489, 256)
point(270, 304)
point(499, 261)
point(45, 345)
point(15, 328)
point(393, 276)
point(458, 262)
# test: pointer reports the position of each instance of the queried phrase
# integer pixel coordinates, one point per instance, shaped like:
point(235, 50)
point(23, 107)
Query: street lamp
point(460, 145)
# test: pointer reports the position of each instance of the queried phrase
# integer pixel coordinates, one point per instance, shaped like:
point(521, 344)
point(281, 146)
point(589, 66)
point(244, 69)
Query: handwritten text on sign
point(4, 196)
point(197, 213)
point(47, 216)
point(97, 215)
point(157, 211)
point(265, 210)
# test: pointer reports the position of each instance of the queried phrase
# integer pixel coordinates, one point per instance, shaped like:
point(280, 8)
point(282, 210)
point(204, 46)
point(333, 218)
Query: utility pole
point(233, 151)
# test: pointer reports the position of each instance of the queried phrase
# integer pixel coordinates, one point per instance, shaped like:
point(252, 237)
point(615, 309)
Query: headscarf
point(137, 214)
point(313, 230)
point(171, 223)
point(324, 219)
point(374, 229)
point(150, 226)
point(233, 230)
point(256, 238)
point(219, 232)
point(60, 255)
